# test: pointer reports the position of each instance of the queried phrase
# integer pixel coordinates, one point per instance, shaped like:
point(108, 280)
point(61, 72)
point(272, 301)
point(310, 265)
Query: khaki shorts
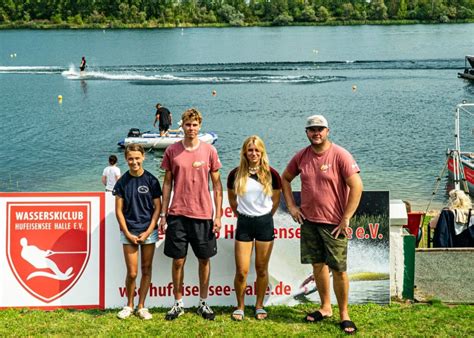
point(319, 246)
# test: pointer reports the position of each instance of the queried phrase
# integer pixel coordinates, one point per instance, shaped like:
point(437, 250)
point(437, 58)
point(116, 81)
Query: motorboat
point(466, 160)
point(460, 164)
point(468, 73)
point(151, 140)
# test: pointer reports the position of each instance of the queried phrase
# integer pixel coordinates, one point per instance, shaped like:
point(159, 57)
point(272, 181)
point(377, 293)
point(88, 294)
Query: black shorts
point(164, 127)
point(259, 228)
point(197, 232)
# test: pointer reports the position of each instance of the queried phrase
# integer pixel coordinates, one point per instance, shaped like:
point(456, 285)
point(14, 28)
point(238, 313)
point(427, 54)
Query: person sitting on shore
point(452, 222)
point(460, 204)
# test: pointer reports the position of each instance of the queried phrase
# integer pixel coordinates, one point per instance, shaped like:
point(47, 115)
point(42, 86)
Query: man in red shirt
point(330, 193)
point(188, 165)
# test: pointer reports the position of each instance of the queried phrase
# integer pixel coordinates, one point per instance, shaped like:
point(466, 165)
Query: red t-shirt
point(190, 171)
point(324, 192)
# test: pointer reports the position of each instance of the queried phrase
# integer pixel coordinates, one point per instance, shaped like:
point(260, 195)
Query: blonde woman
point(460, 204)
point(453, 226)
point(254, 195)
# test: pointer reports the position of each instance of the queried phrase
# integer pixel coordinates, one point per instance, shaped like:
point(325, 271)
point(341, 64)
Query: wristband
point(162, 214)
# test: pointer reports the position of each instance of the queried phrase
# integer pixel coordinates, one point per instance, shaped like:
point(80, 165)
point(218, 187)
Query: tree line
point(172, 13)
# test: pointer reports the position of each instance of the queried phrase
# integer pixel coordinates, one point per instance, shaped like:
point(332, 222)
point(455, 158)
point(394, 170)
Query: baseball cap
point(316, 121)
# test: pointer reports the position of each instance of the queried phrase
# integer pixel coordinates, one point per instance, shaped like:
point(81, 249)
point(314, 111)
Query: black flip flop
point(317, 315)
point(348, 324)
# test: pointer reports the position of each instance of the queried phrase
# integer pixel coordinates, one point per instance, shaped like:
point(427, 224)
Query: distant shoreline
point(47, 25)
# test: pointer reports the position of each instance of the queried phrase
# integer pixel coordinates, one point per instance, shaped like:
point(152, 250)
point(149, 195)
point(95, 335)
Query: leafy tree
point(308, 14)
point(378, 10)
point(347, 11)
point(230, 15)
point(282, 20)
point(402, 10)
point(322, 14)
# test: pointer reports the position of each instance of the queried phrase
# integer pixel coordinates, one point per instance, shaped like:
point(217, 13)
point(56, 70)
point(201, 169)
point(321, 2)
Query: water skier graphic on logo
point(40, 260)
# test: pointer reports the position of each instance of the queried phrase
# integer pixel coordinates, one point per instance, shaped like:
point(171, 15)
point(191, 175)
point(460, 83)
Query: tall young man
point(190, 219)
point(330, 193)
point(137, 207)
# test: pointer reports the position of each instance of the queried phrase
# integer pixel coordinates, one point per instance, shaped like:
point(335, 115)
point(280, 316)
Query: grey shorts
point(318, 245)
point(153, 238)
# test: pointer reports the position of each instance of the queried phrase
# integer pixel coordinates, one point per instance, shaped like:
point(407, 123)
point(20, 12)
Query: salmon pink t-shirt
point(190, 169)
point(324, 191)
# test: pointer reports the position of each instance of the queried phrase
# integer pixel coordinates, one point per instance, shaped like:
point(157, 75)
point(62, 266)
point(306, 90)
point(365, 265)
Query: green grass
point(397, 319)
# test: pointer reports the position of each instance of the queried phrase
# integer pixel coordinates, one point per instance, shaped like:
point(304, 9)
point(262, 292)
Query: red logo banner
point(48, 245)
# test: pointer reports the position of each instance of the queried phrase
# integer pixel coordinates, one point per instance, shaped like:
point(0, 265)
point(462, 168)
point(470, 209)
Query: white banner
point(42, 266)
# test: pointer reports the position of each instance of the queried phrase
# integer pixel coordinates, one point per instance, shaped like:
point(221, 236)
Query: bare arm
point(276, 200)
point(157, 118)
point(355, 185)
point(232, 200)
point(121, 220)
point(104, 180)
point(217, 188)
point(294, 211)
point(166, 199)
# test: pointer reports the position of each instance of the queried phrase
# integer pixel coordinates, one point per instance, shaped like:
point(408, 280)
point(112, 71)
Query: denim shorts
point(153, 238)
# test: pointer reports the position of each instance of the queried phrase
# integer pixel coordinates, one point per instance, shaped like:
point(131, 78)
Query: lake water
point(388, 92)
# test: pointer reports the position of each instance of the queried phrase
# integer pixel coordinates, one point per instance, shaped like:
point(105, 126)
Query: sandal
point(316, 315)
point(348, 324)
point(238, 315)
point(260, 314)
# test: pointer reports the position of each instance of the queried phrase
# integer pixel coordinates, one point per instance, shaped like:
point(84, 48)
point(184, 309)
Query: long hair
point(263, 174)
point(459, 200)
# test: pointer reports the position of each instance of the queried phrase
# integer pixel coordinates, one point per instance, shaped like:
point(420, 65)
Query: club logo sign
point(48, 245)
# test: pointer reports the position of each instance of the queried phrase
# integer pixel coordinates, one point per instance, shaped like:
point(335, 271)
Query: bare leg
point(204, 274)
point(321, 276)
point(341, 289)
point(148, 250)
point(177, 273)
point(263, 250)
point(131, 260)
point(242, 252)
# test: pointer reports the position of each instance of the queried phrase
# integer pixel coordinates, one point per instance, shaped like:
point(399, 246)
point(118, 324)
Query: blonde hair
point(192, 114)
point(263, 174)
point(459, 200)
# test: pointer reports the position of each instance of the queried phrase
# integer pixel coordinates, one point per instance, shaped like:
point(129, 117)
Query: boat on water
point(468, 73)
point(150, 140)
point(460, 164)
